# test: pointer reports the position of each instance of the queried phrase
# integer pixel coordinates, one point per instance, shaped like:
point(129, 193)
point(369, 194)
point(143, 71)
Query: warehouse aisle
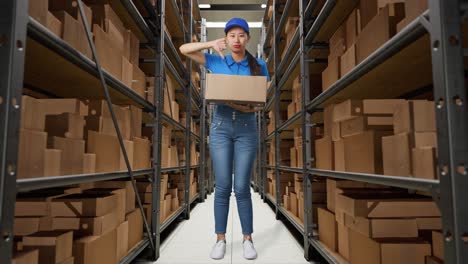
point(192, 240)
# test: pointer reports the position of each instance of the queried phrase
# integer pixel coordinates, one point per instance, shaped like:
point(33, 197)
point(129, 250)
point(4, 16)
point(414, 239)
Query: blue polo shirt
point(215, 64)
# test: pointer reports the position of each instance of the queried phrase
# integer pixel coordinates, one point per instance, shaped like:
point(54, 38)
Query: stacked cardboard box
point(79, 225)
point(370, 25)
point(289, 30)
point(171, 107)
point(284, 152)
point(386, 133)
point(145, 193)
point(378, 222)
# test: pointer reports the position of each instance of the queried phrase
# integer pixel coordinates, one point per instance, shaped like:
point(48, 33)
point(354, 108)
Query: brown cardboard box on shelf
point(174, 204)
point(127, 73)
point(168, 204)
point(121, 194)
point(396, 155)
point(32, 224)
point(54, 246)
point(360, 124)
point(291, 24)
point(414, 8)
point(423, 139)
point(291, 109)
point(437, 244)
point(328, 119)
point(348, 60)
point(70, 260)
point(89, 163)
point(293, 157)
point(353, 27)
point(380, 106)
point(139, 81)
point(83, 205)
point(241, 89)
point(328, 232)
point(72, 9)
point(87, 225)
point(382, 205)
point(65, 125)
point(338, 43)
point(73, 32)
point(96, 249)
point(32, 114)
point(135, 227)
point(365, 250)
point(122, 240)
point(31, 161)
point(300, 209)
point(141, 153)
point(382, 228)
point(129, 192)
point(286, 203)
point(346, 110)
point(429, 223)
point(299, 157)
point(369, 147)
point(424, 163)
point(433, 260)
point(54, 24)
point(415, 116)
point(109, 156)
point(324, 153)
point(331, 74)
point(136, 121)
point(334, 186)
point(149, 90)
point(26, 257)
point(343, 240)
point(339, 156)
point(110, 56)
point(336, 131)
point(175, 110)
point(72, 154)
point(293, 203)
point(60, 106)
point(52, 161)
point(38, 10)
point(379, 30)
point(368, 9)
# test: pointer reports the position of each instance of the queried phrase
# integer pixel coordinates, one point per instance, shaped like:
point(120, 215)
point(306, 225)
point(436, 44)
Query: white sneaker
point(219, 249)
point(249, 250)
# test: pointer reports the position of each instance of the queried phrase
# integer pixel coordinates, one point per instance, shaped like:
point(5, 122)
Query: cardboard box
point(429, 223)
point(380, 106)
point(324, 153)
point(379, 30)
point(109, 156)
point(348, 60)
point(241, 89)
point(343, 240)
point(336, 131)
point(346, 110)
point(300, 209)
point(38, 10)
point(141, 153)
point(385, 205)
point(54, 246)
point(89, 163)
point(29, 225)
point(414, 116)
point(363, 152)
point(139, 81)
point(337, 43)
point(136, 121)
point(60, 106)
point(334, 186)
point(383, 228)
point(129, 192)
point(87, 225)
point(433, 260)
point(293, 203)
point(299, 157)
point(26, 257)
point(32, 113)
point(339, 156)
point(72, 154)
point(293, 157)
point(353, 28)
point(83, 205)
point(54, 24)
point(364, 250)
point(52, 161)
point(396, 155)
point(368, 9)
point(437, 244)
point(168, 201)
point(127, 73)
point(70, 260)
point(414, 8)
point(31, 160)
point(135, 227)
point(174, 204)
point(175, 111)
point(73, 32)
point(110, 56)
point(122, 240)
point(66, 125)
point(328, 232)
point(423, 139)
point(291, 109)
point(96, 249)
point(424, 163)
point(331, 74)
point(328, 119)
point(286, 203)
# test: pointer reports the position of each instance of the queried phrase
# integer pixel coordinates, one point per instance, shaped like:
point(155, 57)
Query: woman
point(233, 132)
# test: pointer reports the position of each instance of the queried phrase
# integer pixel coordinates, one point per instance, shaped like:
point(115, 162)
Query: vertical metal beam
point(13, 24)
point(306, 134)
point(276, 99)
point(157, 129)
point(264, 155)
point(452, 124)
point(188, 90)
point(203, 160)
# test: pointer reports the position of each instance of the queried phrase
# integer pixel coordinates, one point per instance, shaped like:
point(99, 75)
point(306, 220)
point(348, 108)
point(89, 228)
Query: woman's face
point(237, 39)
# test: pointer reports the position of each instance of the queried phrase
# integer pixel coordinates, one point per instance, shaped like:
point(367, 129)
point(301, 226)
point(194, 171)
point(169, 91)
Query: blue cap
point(237, 22)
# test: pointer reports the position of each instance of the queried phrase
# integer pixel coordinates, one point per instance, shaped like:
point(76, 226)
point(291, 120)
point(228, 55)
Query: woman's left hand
point(245, 108)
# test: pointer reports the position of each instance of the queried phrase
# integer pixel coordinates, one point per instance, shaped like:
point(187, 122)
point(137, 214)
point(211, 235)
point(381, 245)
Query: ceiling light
point(263, 5)
point(204, 6)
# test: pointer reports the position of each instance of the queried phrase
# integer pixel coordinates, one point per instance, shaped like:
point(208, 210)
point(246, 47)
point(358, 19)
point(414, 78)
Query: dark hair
point(255, 68)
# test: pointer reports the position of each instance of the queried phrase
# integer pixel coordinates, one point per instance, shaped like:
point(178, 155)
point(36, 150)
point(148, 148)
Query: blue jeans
point(233, 147)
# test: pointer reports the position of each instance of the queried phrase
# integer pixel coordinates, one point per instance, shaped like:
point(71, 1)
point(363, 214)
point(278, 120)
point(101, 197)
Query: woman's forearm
point(194, 47)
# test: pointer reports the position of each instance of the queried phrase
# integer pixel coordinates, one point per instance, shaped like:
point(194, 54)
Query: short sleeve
point(264, 69)
point(211, 61)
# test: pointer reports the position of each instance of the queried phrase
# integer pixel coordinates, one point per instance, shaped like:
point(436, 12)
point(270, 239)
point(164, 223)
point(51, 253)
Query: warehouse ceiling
point(223, 10)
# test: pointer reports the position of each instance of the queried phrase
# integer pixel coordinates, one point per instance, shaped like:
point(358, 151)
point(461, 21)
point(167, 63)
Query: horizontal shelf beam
point(395, 181)
point(321, 18)
point(290, 169)
point(289, 51)
point(23, 185)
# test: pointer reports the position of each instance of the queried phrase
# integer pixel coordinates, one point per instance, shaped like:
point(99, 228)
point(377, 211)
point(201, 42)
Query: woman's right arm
point(193, 50)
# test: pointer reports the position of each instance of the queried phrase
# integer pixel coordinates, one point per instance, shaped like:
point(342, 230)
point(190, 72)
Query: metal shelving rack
point(437, 35)
point(16, 27)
